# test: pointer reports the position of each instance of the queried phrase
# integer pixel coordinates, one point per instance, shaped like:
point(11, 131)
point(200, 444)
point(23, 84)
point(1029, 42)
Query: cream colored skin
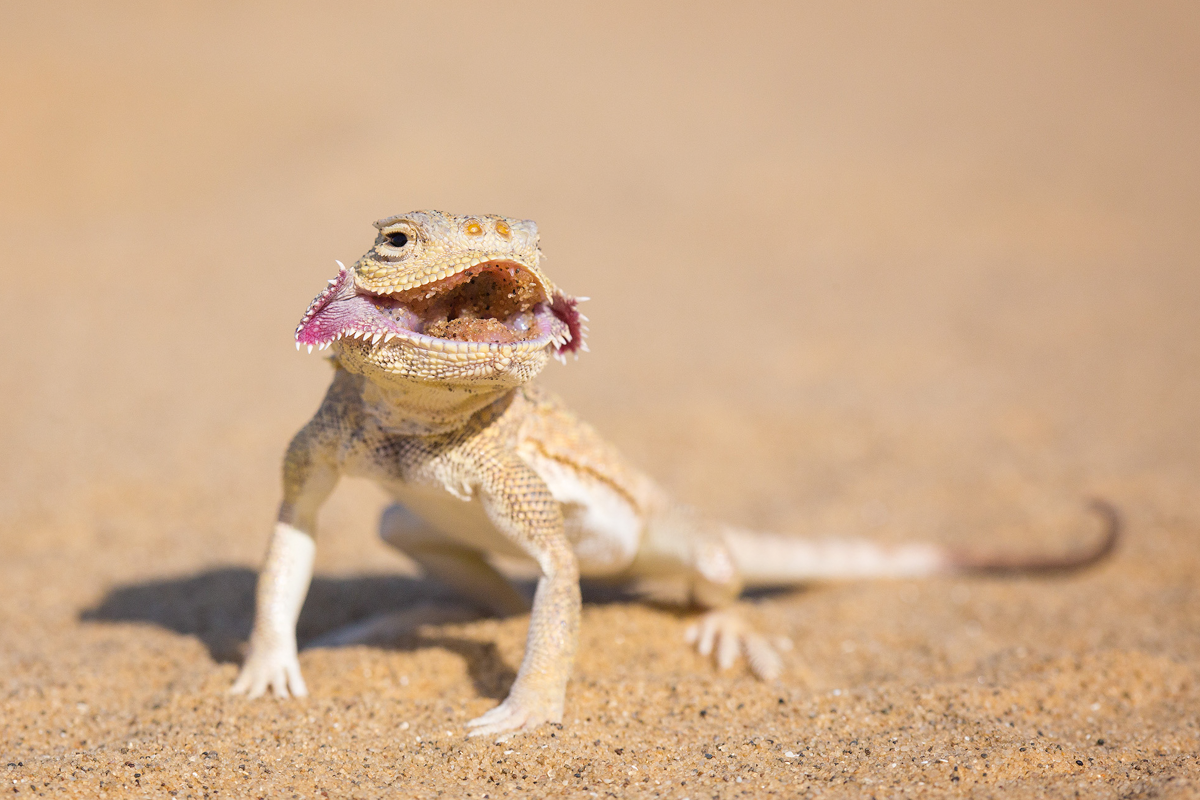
point(481, 463)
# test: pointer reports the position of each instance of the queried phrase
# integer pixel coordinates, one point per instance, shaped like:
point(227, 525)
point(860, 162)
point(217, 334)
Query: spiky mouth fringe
point(494, 306)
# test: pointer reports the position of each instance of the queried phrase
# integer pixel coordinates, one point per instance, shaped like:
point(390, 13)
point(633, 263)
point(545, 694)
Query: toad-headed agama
point(437, 333)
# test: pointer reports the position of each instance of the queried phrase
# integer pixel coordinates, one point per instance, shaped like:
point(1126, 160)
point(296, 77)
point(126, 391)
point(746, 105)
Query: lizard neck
point(426, 408)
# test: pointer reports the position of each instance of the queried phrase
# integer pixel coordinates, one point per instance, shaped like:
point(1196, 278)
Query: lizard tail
point(776, 560)
point(1047, 564)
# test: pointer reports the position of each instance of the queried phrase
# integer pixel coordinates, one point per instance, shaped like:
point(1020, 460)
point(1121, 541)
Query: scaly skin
point(437, 332)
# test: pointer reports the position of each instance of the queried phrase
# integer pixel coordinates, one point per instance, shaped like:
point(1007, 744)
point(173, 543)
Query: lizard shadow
point(216, 606)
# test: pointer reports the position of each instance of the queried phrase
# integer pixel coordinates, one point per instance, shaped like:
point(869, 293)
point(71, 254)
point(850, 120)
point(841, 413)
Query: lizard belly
point(602, 525)
point(604, 528)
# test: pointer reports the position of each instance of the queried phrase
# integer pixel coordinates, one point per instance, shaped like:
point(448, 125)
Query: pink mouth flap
point(353, 313)
point(338, 309)
point(565, 308)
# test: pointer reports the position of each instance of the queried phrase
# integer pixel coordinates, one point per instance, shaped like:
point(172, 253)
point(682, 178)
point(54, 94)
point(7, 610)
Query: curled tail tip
point(1113, 525)
point(1112, 522)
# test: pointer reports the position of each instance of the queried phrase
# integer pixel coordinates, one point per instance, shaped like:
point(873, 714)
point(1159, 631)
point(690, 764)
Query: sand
point(921, 271)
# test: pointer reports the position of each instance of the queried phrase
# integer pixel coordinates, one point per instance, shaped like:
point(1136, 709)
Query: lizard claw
point(278, 670)
point(731, 636)
point(511, 717)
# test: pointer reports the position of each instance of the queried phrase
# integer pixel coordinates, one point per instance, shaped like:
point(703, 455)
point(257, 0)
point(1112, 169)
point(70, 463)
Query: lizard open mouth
point(490, 306)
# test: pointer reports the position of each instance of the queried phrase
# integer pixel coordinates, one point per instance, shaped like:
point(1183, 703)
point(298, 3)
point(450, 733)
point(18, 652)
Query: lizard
point(437, 333)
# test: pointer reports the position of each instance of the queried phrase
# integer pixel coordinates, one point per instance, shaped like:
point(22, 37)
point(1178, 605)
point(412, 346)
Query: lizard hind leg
point(461, 568)
point(722, 631)
point(681, 542)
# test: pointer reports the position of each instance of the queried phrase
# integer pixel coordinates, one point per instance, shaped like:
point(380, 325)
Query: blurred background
point(901, 268)
point(919, 270)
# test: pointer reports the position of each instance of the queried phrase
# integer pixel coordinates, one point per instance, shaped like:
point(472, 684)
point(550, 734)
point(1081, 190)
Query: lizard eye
point(397, 239)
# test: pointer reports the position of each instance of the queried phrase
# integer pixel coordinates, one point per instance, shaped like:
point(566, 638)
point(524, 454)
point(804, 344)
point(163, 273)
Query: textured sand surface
point(923, 273)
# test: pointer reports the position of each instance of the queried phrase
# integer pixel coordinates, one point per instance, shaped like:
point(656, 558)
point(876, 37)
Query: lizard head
point(448, 298)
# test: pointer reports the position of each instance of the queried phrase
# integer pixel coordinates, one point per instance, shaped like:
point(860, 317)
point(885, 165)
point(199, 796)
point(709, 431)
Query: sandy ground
point(923, 273)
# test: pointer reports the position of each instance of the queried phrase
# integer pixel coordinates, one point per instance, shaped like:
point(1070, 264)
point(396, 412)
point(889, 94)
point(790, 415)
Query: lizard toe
point(725, 632)
point(508, 719)
point(517, 714)
point(279, 672)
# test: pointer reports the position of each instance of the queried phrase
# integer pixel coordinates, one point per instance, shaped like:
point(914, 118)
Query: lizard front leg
point(520, 505)
point(309, 476)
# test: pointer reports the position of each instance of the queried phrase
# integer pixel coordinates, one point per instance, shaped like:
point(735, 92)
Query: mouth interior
point(491, 302)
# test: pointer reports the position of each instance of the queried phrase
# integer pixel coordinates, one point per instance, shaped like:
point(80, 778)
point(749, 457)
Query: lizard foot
point(391, 626)
point(515, 715)
point(732, 636)
point(275, 668)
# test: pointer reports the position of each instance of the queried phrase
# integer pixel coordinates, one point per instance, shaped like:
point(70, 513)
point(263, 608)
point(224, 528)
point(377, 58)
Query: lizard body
point(438, 331)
